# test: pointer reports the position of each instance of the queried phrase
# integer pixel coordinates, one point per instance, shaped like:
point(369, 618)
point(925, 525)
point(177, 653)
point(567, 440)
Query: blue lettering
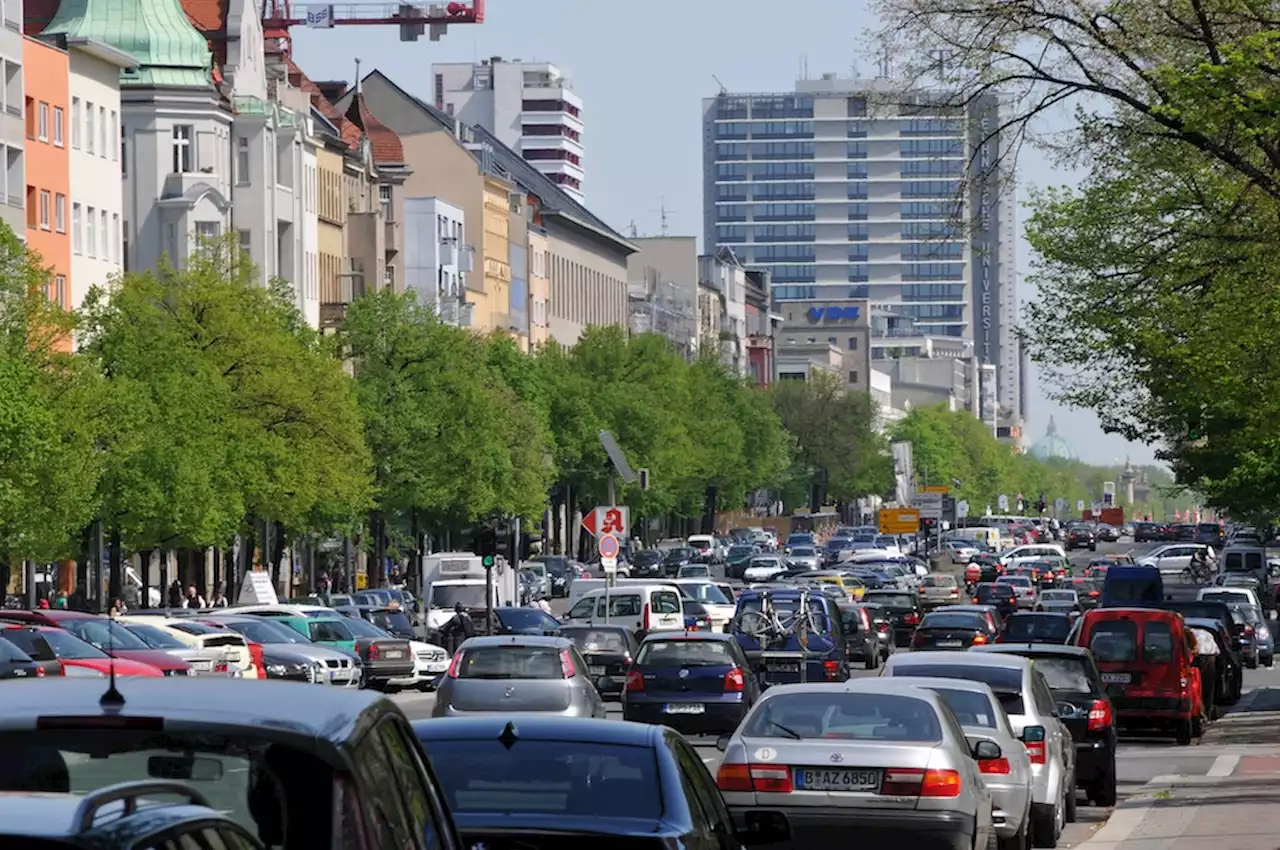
point(815, 313)
point(834, 314)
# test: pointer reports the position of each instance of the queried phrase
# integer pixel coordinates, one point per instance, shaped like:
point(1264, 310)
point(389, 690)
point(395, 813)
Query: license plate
point(782, 667)
point(684, 708)
point(837, 780)
point(596, 671)
point(202, 665)
point(951, 644)
point(1117, 678)
point(340, 675)
point(395, 653)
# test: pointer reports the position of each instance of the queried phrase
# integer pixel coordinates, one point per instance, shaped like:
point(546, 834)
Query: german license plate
point(684, 708)
point(1117, 678)
point(395, 654)
point(783, 666)
point(340, 675)
point(596, 671)
point(824, 779)
point(950, 644)
point(202, 665)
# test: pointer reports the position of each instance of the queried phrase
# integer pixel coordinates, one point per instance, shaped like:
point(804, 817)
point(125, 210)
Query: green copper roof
point(169, 50)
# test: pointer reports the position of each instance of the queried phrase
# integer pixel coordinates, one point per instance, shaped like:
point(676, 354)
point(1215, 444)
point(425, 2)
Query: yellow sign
point(934, 488)
point(362, 581)
point(899, 520)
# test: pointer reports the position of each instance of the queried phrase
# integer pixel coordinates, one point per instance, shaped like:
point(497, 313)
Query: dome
point(1053, 447)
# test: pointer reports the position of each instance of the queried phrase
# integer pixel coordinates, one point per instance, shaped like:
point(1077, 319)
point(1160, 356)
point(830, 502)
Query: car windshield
point(704, 592)
point(389, 620)
point(154, 637)
point(597, 640)
point(740, 551)
point(1005, 681)
point(105, 634)
point(510, 661)
point(449, 595)
point(545, 777)
point(803, 552)
point(953, 620)
point(1249, 613)
point(329, 631)
point(64, 644)
point(265, 631)
point(1030, 628)
point(527, 620)
point(939, 581)
point(685, 653)
point(767, 563)
point(1058, 596)
point(970, 707)
point(887, 718)
point(557, 565)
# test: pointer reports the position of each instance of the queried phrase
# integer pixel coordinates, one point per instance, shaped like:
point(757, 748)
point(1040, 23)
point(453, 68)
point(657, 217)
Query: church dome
point(1053, 447)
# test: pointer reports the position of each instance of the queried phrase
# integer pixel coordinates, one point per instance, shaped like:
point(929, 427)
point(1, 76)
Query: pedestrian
point(175, 594)
point(194, 600)
point(544, 606)
point(60, 600)
point(219, 597)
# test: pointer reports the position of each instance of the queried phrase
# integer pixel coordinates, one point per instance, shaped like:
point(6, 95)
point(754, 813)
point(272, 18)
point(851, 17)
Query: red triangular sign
point(589, 521)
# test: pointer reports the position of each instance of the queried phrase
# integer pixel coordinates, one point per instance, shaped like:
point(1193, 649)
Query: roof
point(954, 659)
point(714, 637)
point(517, 640)
point(1039, 649)
point(938, 682)
point(535, 728)
point(387, 148)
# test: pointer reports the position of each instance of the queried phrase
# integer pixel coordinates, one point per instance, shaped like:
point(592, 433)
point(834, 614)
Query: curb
point(1129, 815)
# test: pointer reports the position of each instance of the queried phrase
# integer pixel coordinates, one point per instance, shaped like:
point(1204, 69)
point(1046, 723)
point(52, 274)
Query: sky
point(642, 70)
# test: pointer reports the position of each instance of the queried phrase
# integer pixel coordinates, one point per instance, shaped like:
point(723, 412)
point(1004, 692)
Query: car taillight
point(1036, 751)
point(733, 681)
point(39, 671)
point(454, 665)
point(917, 639)
point(769, 779)
point(1248, 630)
point(1099, 715)
point(920, 590)
point(955, 591)
point(1094, 593)
point(644, 621)
point(567, 667)
point(635, 681)
point(259, 658)
point(975, 600)
point(831, 669)
point(375, 652)
point(916, 782)
point(978, 640)
point(911, 619)
point(995, 766)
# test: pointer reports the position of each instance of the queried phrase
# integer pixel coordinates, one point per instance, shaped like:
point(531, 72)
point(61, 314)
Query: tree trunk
point(277, 555)
point(144, 576)
point(115, 571)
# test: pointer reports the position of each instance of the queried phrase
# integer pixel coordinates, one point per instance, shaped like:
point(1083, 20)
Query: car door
point(666, 611)
point(1047, 708)
point(712, 827)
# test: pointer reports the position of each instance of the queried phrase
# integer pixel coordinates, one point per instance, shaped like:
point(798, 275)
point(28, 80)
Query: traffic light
point(1040, 506)
point(486, 545)
point(502, 543)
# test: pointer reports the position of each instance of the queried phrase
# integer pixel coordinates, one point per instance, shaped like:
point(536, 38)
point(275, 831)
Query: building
point(662, 289)
point(1053, 447)
point(847, 190)
point(13, 131)
point(539, 288)
point(528, 106)
point(762, 329)
point(499, 198)
point(800, 360)
point(435, 266)
point(48, 171)
point(843, 325)
point(723, 274)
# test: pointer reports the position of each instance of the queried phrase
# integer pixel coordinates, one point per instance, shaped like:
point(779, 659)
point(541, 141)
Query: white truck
point(450, 578)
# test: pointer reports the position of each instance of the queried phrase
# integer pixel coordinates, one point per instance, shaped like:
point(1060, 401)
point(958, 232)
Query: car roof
point(937, 682)
point(538, 728)
point(716, 637)
point(871, 685)
point(1038, 648)
point(907, 659)
point(483, 641)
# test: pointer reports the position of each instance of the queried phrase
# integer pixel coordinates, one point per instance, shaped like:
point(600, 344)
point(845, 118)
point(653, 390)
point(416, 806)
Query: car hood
point(157, 658)
point(302, 652)
point(123, 666)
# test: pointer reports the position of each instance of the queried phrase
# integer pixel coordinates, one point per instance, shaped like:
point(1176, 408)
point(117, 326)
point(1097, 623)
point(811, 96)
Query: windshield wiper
point(790, 733)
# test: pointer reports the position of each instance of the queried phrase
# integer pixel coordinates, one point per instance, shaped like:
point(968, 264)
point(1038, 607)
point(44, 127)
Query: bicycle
point(767, 626)
point(1198, 573)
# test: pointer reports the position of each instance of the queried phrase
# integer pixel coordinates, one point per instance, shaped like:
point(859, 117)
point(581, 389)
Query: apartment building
point(662, 288)
point(48, 169)
point(436, 266)
point(539, 286)
point(528, 106)
point(13, 131)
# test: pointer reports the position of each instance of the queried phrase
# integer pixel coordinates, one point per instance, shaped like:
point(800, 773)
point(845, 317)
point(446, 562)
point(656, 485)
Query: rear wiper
point(790, 733)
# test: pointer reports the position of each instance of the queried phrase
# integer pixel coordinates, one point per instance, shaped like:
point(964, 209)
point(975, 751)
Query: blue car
point(696, 682)
point(768, 625)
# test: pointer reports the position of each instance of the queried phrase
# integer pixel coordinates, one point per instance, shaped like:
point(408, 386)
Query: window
point(124, 157)
point(91, 232)
point(115, 238)
point(1157, 643)
point(105, 234)
point(242, 161)
point(384, 198)
point(31, 118)
point(207, 230)
point(75, 123)
point(59, 121)
point(246, 240)
point(60, 213)
point(389, 276)
point(1114, 640)
point(77, 226)
point(60, 290)
point(182, 154)
point(45, 203)
point(115, 134)
point(102, 132)
point(43, 127)
point(88, 127)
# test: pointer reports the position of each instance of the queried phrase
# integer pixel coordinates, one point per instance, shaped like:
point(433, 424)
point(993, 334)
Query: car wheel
point(1017, 841)
point(1103, 792)
point(1184, 733)
point(1044, 825)
point(1069, 807)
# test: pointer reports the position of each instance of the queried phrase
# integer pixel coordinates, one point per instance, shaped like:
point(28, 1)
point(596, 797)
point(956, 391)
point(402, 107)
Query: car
point(646, 563)
point(960, 551)
point(557, 570)
point(800, 558)
point(863, 761)
point(62, 654)
point(518, 673)
point(764, 568)
point(110, 637)
point(791, 634)
point(1036, 627)
point(938, 589)
point(694, 571)
point(990, 615)
point(1083, 705)
point(1087, 591)
point(349, 754)
point(1173, 558)
point(1244, 637)
point(608, 651)
point(66, 821)
point(999, 595)
point(207, 662)
point(1080, 537)
point(904, 612)
point(525, 621)
point(863, 642)
point(950, 630)
point(679, 557)
point(16, 664)
point(695, 682)
point(1221, 676)
point(1028, 700)
point(1059, 602)
point(1024, 588)
point(544, 782)
point(1107, 533)
point(287, 654)
point(387, 662)
point(1254, 625)
point(243, 657)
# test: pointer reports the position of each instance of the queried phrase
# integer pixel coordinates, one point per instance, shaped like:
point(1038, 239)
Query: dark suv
point(903, 608)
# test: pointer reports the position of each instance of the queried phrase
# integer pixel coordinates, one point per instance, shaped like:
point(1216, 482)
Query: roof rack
point(130, 793)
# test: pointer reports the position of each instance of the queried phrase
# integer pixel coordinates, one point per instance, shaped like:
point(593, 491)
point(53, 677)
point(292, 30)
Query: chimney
point(333, 90)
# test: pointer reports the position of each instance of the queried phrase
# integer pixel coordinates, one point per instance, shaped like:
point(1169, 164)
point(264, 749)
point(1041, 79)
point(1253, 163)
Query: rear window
point(1029, 629)
point(989, 591)
point(32, 644)
point(391, 621)
point(1005, 681)
point(1020, 581)
point(1157, 643)
point(685, 653)
point(1113, 641)
point(602, 780)
point(1236, 562)
point(892, 600)
point(1123, 589)
point(511, 661)
point(332, 631)
point(969, 707)
point(786, 606)
point(953, 620)
point(591, 640)
point(939, 581)
point(1067, 674)
point(864, 717)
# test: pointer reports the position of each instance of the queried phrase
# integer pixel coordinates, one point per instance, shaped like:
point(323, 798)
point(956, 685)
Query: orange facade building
point(47, 84)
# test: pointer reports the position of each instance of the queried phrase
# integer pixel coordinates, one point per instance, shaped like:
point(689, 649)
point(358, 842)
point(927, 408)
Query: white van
point(641, 608)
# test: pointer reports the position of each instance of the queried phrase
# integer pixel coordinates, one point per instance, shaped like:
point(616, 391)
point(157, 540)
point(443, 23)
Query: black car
point(575, 784)
point(998, 595)
point(1036, 627)
point(1080, 537)
point(16, 664)
point(861, 641)
point(1222, 677)
point(1242, 633)
point(739, 558)
point(558, 573)
point(526, 621)
point(1083, 707)
point(1148, 532)
point(989, 566)
point(1211, 534)
point(904, 611)
point(679, 557)
point(883, 625)
point(694, 682)
point(1108, 533)
point(394, 621)
point(1089, 591)
point(647, 564)
point(608, 651)
point(995, 621)
point(951, 630)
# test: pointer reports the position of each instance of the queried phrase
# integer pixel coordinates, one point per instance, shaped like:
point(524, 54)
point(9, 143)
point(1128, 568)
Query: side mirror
point(987, 750)
point(1033, 734)
point(722, 743)
point(762, 828)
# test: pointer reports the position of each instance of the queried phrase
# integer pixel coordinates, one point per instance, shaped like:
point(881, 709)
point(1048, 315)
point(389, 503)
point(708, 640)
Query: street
point(1138, 761)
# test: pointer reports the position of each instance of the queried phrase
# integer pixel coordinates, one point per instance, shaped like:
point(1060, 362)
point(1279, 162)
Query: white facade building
point(723, 273)
point(436, 263)
point(13, 132)
point(528, 106)
point(97, 190)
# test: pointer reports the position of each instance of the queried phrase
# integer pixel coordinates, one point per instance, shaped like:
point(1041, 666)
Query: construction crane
point(413, 19)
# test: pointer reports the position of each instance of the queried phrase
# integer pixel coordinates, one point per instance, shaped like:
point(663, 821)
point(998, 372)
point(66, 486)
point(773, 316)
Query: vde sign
point(834, 314)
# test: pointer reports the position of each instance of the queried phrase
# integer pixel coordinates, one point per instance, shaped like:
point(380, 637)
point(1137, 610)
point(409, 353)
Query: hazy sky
point(642, 70)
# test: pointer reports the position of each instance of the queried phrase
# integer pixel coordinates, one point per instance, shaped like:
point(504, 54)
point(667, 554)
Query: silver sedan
point(863, 761)
point(503, 674)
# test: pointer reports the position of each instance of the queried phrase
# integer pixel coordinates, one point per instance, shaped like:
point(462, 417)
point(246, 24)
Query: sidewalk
point(1256, 720)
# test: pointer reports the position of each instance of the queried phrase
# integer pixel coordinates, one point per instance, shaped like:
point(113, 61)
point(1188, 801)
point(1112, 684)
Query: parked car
point(16, 664)
point(287, 654)
point(696, 683)
point(518, 673)
point(63, 654)
point(105, 634)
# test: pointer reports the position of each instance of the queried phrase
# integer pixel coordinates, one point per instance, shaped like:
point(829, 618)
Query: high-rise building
point(528, 106)
point(849, 190)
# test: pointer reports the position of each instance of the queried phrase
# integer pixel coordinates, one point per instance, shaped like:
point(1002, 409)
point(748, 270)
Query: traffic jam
point(855, 685)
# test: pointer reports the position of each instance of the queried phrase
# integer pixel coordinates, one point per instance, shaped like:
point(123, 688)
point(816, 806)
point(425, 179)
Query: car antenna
point(112, 700)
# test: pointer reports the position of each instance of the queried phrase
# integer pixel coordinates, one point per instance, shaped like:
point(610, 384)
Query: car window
point(391, 620)
point(1005, 681)
point(869, 717)
point(401, 755)
point(582, 609)
point(1028, 628)
point(384, 818)
point(892, 600)
point(684, 653)
point(511, 661)
point(620, 605)
point(596, 640)
point(939, 581)
point(1157, 643)
point(544, 777)
point(953, 620)
point(1041, 694)
point(1114, 641)
point(1067, 674)
point(154, 637)
point(970, 707)
point(332, 631)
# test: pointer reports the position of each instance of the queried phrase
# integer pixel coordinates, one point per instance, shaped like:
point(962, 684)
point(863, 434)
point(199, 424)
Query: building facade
point(529, 106)
point(843, 325)
point(662, 288)
point(539, 286)
point(435, 266)
point(48, 171)
point(724, 274)
point(495, 308)
point(13, 131)
point(331, 222)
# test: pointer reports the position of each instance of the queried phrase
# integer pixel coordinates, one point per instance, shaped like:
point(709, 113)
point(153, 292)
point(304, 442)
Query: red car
point(105, 634)
point(58, 648)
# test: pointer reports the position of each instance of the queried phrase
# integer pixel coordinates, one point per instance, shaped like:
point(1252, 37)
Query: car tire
point(1017, 841)
point(1044, 825)
point(1183, 734)
point(1069, 803)
point(1103, 792)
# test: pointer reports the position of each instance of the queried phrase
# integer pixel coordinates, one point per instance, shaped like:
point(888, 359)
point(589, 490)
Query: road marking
point(1224, 765)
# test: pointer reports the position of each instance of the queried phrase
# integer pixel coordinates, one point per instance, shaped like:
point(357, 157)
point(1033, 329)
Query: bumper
point(386, 673)
point(919, 830)
point(1094, 760)
point(1151, 710)
point(1012, 798)
point(715, 716)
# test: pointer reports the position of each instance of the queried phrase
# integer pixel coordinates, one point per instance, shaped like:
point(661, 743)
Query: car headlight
point(1264, 632)
point(276, 670)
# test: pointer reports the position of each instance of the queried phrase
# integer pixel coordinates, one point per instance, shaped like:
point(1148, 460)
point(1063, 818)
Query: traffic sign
point(962, 509)
point(934, 488)
point(1003, 501)
point(1079, 504)
point(929, 505)
point(608, 519)
point(609, 565)
point(608, 546)
point(899, 521)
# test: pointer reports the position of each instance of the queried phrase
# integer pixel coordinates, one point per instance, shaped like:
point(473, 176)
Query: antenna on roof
point(635, 232)
point(112, 700)
point(357, 85)
point(723, 90)
point(663, 212)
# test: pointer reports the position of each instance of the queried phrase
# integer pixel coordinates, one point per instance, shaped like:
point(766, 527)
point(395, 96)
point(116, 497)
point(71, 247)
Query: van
point(1132, 587)
point(989, 536)
point(1245, 558)
point(641, 608)
point(767, 628)
point(1147, 660)
point(705, 545)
